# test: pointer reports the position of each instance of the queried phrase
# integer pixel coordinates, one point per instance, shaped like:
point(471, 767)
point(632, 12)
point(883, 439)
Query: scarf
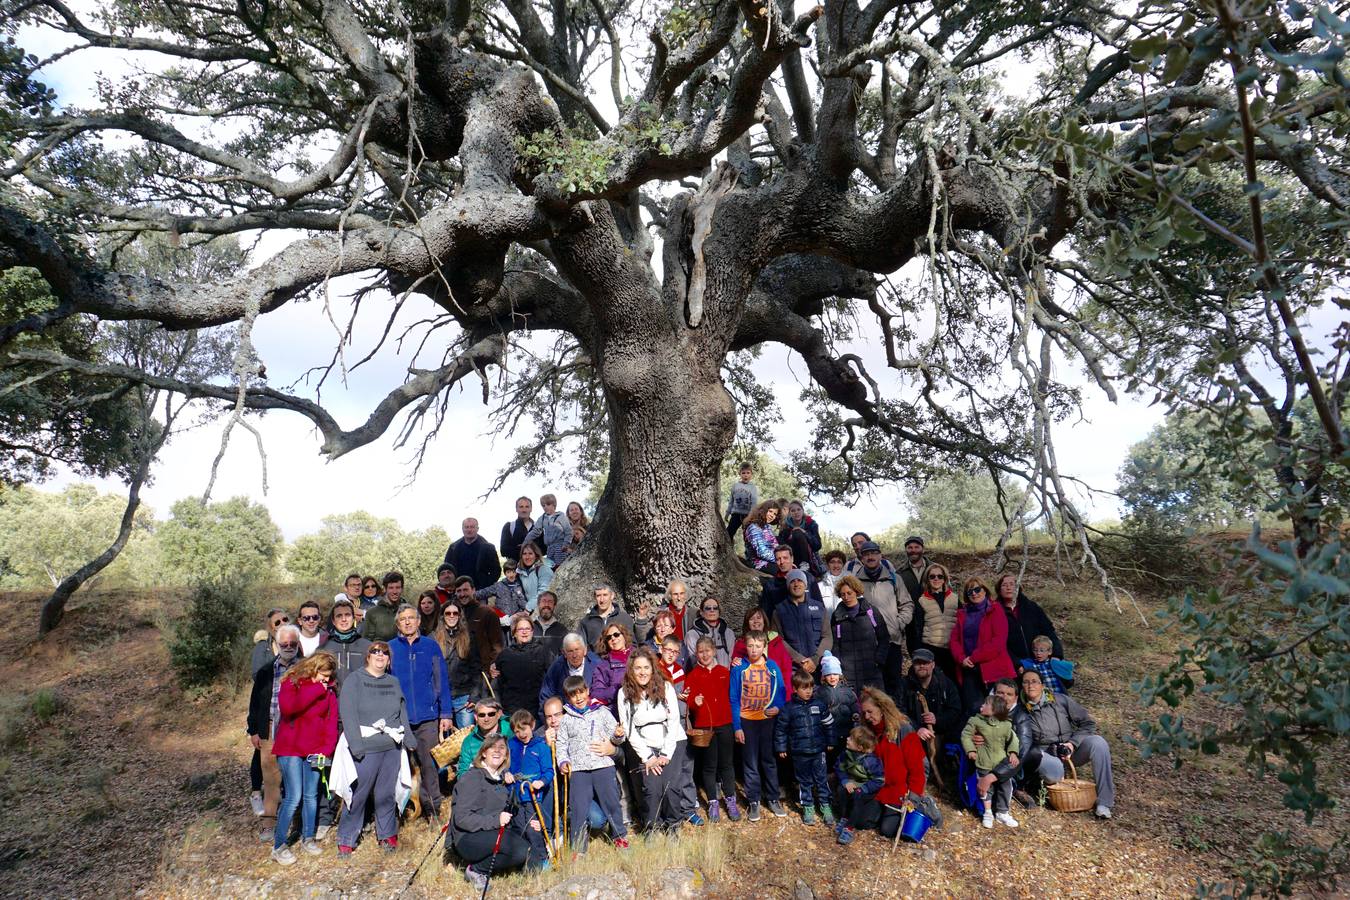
point(970, 633)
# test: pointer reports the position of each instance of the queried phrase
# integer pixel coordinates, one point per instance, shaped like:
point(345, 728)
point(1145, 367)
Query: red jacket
point(309, 719)
point(715, 686)
point(777, 652)
point(991, 649)
point(903, 766)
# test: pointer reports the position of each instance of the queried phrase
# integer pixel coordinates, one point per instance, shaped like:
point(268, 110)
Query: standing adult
point(577, 518)
point(454, 635)
point(940, 714)
point(521, 667)
point(375, 723)
point(915, 565)
point(345, 641)
point(473, 555)
point(979, 644)
point(428, 612)
point(263, 716)
point(312, 635)
point(1061, 728)
point(776, 648)
point(1026, 621)
point(663, 626)
point(677, 601)
point(803, 624)
point(774, 591)
point(370, 596)
point(483, 809)
point(551, 530)
point(650, 715)
point(351, 589)
point(264, 653)
point(535, 573)
point(514, 531)
point(901, 754)
point(308, 726)
point(710, 625)
point(420, 669)
point(890, 599)
point(857, 636)
point(576, 659)
point(483, 619)
point(380, 623)
point(549, 630)
point(613, 648)
point(445, 583)
point(935, 615)
point(601, 614)
point(761, 535)
point(834, 570)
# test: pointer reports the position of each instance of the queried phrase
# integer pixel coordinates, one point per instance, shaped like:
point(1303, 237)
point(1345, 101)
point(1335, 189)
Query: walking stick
point(491, 692)
point(548, 842)
point(413, 876)
point(496, 848)
point(553, 755)
point(567, 809)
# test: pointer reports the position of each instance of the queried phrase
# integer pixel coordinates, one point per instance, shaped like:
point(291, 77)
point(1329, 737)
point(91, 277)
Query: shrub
point(46, 704)
point(213, 635)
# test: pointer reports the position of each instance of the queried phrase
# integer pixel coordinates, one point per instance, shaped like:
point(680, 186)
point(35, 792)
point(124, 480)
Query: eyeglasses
point(452, 614)
point(937, 577)
point(378, 651)
point(310, 618)
point(712, 608)
point(288, 646)
point(277, 623)
point(612, 635)
point(491, 714)
point(973, 591)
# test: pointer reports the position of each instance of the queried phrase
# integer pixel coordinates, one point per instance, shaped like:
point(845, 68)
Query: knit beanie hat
point(829, 664)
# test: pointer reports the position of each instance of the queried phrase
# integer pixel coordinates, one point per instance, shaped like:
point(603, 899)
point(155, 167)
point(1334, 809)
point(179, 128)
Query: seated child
point(586, 723)
point(804, 729)
point(1056, 674)
point(995, 759)
point(861, 775)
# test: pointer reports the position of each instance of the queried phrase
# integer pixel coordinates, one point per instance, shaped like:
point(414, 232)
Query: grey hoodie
point(581, 729)
point(365, 700)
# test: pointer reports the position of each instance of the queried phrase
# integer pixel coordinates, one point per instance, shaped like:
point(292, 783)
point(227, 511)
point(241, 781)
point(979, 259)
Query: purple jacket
point(609, 677)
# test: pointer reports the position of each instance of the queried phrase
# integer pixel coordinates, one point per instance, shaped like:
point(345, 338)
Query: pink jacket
point(309, 719)
point(991, 649)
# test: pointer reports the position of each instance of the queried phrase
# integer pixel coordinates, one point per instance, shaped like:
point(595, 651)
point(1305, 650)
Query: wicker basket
point(1072, 795)
point(699, 737)
point(447, 751)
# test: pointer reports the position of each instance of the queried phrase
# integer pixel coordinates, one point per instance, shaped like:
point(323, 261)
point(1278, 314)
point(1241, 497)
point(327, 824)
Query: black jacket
point(513, 536)
point(477, 560)
point(1030, 622)
point(465, 674)
point(521, 669)
point(477, 803)
point(551, 636)
point(914, 631)
point(803, 727)
point(944, 702)
point(260, 701)
point(860, 640)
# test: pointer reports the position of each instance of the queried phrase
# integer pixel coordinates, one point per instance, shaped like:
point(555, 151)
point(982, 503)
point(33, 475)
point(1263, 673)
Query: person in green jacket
point(381, 622)
point(995, 758)
point(487, 718)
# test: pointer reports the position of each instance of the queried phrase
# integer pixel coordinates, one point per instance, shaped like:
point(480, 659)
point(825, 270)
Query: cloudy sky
point(463, 461)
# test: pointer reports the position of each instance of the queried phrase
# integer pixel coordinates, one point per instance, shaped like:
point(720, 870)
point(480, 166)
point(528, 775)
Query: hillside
point(113, 781)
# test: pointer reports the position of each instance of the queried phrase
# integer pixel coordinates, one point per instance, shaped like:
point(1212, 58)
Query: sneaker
point(283, 855)
point(1024, 798)
point(311, 847)
point(776, 808)
point(345, 852)
point(714, 811)
point(845, 835)
point(475, 878)
point(988, 819)
point(255, 802)
point(322, 832)
point(753, 811)
point(1103, 812)
point(808, 815)
point(267, 835)
point(1005, 819)
point(695, 819)
point(389, 844)
point(733, 811)
point(826, 814)
point(621, 843)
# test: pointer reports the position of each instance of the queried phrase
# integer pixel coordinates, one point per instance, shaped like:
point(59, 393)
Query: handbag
point(447, 751)
point(699, 737)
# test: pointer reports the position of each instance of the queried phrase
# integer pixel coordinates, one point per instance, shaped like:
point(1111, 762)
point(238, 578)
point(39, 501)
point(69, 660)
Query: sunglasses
point(486, 715)
point(288, 646)
point(378, 651)
point(277, 623)
point(612, 636)
point(973, 591)
point(937, 577)
point(712, 608)
point(310, 618)
point(452, 614)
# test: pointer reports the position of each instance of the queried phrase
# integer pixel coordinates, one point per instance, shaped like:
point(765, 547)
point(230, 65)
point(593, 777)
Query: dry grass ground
point(114, 782)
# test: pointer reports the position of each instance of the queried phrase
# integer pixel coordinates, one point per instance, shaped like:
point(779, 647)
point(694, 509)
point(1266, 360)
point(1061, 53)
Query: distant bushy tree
point(361, 542)
point(49, 534)
point(960, 508)
point(209, 542)
point(212, 636)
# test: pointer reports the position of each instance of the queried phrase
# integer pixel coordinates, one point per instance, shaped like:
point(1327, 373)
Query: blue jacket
point(777, 696)
point(531, 762)
point(773, 593)
point(871, 763)
point(421, 672)
point(802, 626)
point(557, 674)
point(804, 727)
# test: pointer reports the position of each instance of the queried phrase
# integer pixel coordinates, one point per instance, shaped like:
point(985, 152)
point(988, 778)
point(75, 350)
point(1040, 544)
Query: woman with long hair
point(308, 727)
point(935, 617)
point(576, 516)
point(649, 712)
point(459, 647)
point(979, 644)
point(761, 534)
point(535, 574)
point(902, 759)
point(427, 608)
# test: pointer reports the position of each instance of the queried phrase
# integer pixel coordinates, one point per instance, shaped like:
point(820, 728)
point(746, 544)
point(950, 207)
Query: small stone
point(802, 891)
point(612, 886)
point(680, 884)
point(930, 856)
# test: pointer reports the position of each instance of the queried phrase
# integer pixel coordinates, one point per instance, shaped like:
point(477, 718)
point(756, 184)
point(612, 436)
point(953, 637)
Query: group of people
point(849, 679)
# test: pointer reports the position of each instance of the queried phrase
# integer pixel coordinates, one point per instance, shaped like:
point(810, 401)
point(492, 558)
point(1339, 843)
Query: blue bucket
point(914, 826)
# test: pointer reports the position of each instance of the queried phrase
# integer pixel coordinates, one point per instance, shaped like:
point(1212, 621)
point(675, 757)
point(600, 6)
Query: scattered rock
point(196, 784)
point(680, 884)
point(802, 891)
point(612, 886)
point(930, 855)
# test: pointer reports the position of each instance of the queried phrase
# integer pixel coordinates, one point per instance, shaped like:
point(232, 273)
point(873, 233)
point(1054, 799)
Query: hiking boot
point(345, 852)
point(475, 878)
point(311, 847)
point(283, 855)
point(753, 811)
point(733, 811)
point(826, 814)
point(322, 832)
point(1024, 798)
point(845, 835)
point(1103, 812)
point(1005, 819)
point(695, 819)
point(255, 802)
point(776, 808)
point(621, 843)
point(267, 835)
point(808, 815)
point(389, 844)
point(714, 811)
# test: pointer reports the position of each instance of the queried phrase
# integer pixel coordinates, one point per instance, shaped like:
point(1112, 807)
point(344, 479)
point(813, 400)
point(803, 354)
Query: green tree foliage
point(361, 542)
point(213, 635)
point(771, 477)
point(48, 534)
point(960, 509)
point(211, 542)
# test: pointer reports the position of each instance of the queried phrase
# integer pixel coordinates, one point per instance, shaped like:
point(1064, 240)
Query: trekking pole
point(496, 848)
point(557, 826)
point(539, 813)
point(413, 876)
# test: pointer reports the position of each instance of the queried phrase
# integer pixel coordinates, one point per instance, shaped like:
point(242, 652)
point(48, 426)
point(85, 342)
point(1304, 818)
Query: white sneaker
point(312, 847)
point(1005, 819)
point(322, 832)
point(988, 820)
point(283, 855)
point(255, 803)
point(1103, 812)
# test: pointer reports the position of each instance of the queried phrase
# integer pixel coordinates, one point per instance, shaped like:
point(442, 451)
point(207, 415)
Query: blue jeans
point(300, 787)
point(464, 715)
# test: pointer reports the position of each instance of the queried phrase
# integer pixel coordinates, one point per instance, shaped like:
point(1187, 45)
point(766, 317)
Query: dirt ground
point(115, 782)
